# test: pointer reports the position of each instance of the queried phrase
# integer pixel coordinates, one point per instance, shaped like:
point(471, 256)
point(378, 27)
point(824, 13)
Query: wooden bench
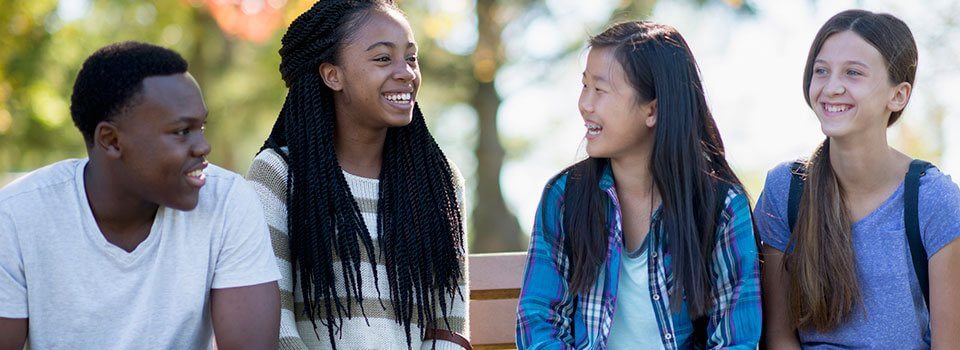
point(495, 281)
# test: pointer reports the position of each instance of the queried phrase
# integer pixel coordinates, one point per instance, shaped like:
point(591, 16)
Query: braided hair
point(420, 227)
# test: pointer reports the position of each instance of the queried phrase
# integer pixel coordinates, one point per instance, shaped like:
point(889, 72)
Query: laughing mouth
point(401, 98)
point(593, 128)
point(836, 108)
point(198, 173)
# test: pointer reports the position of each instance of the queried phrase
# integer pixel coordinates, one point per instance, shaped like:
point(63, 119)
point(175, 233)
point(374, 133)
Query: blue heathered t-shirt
point(894, 315)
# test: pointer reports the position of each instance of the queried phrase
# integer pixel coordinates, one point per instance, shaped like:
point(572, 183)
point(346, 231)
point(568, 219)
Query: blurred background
point(501, 81)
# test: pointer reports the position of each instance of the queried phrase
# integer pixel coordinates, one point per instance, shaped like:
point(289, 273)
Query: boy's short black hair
point(112, 77)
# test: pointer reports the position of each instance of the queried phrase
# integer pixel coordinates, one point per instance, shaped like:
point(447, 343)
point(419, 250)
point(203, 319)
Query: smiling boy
point(144, 244)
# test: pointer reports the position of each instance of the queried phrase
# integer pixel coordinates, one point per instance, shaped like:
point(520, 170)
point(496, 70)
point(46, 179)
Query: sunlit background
point(501, 81)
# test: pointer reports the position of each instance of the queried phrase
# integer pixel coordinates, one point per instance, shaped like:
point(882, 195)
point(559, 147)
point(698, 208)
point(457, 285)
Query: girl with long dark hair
point(648, 243)
point(855, 251)
point(364, 209)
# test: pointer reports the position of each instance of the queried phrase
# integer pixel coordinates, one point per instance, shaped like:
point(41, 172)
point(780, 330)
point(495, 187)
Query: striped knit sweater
point(268, 175)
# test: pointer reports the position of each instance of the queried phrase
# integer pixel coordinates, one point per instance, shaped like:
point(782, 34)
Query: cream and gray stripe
point(268, 177)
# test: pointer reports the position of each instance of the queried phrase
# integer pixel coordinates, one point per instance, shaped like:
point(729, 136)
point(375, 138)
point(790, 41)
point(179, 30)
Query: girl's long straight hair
point(688, 164)
point(824, 287)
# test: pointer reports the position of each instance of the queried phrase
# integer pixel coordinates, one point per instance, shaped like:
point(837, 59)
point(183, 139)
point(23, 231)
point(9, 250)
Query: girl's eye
point(819, 71)
point(183, 132)
point(412, 59)
point(853, 73)
point(382, 59)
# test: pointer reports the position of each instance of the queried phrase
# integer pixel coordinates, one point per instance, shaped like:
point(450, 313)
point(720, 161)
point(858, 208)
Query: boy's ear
point(332, 76)
point(650, 113)
point(106, 138)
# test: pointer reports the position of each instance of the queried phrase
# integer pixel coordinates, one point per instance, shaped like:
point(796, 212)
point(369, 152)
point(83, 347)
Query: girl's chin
point(833, 131)
point(395, 121)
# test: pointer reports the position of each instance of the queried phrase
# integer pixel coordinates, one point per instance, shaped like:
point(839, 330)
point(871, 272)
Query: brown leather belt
point(443, 334)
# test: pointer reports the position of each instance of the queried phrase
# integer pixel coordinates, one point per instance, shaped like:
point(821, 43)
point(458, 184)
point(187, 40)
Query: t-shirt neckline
point(95, 235)
point(880, 208)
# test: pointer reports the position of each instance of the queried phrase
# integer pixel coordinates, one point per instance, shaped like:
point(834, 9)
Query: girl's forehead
point(604, 67)
point(380, 25)
point(602, 64)
point(847, 47)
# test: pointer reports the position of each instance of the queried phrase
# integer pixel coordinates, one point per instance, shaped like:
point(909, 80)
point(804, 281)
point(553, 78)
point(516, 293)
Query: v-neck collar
point(891, 200)
point(95, 235)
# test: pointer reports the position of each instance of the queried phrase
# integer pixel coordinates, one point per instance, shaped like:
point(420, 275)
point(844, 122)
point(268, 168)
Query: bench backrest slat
point(495, 281)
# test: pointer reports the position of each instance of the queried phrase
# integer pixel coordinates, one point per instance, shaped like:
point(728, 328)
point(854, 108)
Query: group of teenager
point(348, 231)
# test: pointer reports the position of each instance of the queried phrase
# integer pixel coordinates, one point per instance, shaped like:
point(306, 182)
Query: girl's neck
point(867, 163)
point(359, 148)
point(633, 176)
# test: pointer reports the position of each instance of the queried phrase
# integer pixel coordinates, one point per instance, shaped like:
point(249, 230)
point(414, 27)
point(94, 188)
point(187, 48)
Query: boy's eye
point(186, 131)
point(382, 59)
point(412, 59)
point(853, 72)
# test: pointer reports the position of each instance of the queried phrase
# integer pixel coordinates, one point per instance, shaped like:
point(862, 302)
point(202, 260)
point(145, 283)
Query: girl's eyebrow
point(595, 77)
point(389, 45)
point(849, 62)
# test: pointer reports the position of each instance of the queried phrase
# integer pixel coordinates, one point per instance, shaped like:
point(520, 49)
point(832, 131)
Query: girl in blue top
point(842, 276)
point(648, 243)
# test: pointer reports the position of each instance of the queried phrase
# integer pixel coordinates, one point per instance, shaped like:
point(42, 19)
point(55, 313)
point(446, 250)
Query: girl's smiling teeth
point(402, 97)
point(836, 108)
point(593, 129)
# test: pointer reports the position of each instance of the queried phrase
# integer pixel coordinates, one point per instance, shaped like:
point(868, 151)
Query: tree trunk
point(495, 227)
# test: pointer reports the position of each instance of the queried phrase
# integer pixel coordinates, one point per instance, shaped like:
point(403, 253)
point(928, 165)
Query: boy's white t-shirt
point(80, 291)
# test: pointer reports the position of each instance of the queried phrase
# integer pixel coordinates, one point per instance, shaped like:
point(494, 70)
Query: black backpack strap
point(798, 173)
point(911, 222)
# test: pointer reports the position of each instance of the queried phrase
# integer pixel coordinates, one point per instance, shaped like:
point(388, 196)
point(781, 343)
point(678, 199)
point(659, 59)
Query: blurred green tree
point(44, 47)
point(231, 47)
point(475, 81)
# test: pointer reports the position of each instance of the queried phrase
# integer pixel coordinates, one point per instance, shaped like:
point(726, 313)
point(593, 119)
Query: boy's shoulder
point(54, 178)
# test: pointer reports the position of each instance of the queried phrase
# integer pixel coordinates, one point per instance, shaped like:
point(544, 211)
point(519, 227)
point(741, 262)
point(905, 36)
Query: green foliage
point(241, 85)
point(42, 54)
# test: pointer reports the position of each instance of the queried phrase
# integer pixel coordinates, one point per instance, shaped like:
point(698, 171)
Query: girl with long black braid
point(363, 207)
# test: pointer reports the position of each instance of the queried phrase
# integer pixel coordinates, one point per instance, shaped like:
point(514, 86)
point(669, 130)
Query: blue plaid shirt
point(549, 316)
